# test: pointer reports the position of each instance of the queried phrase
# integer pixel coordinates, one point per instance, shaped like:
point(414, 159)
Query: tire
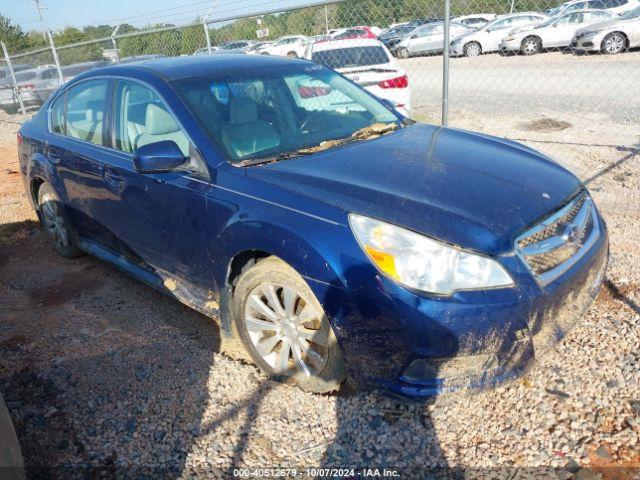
point(472, 49)
point(531, 46)
point(292, 54)
point(55, 220)
point(402, 52)
point(270, 304)
point(614, 43)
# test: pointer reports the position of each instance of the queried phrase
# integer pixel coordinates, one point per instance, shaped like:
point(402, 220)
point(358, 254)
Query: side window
point(86, 106)
point(141, 118)
point(506, 23)
point(57, 114)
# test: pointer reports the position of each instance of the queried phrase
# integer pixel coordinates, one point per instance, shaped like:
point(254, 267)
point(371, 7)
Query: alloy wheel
point(287, 332)
point(530, 46)
point(53, 221)
point(614, 43)
point(473, 49)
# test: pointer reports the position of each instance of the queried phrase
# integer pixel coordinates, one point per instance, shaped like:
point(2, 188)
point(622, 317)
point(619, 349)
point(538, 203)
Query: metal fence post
point(326, 19)
point(445, 65)
point(205, 25)
point(13, 78)
point(115, 43)
point(55, 57)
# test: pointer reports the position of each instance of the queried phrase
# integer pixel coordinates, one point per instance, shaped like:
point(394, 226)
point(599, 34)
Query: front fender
point(319, 250)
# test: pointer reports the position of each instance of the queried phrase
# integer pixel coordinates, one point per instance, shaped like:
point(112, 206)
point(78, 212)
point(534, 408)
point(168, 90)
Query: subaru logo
point(571, 234)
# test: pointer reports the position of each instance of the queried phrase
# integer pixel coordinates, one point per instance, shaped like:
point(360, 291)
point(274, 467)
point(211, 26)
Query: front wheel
point(283, 327)
point(472, 49)
point(614, 43)
point(531, 46)
point(292, 54)
point(56, 222)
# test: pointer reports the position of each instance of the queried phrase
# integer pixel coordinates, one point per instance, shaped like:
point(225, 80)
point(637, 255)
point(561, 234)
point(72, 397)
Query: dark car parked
point(338, 237)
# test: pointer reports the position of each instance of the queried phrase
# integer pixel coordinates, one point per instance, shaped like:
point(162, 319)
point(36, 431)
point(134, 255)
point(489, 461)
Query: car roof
point(175, 68)
point(346, 43)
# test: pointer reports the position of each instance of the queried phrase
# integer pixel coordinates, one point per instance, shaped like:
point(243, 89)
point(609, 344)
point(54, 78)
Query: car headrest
point(243, 110)
point(159, 122)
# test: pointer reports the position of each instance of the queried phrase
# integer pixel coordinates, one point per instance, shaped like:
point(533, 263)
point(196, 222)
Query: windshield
point(272, 111)
point(635, 13)
point(351, 57)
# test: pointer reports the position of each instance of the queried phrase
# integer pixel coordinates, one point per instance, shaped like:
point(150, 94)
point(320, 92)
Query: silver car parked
point(613, 36)
point(426, 39)
point(487, 39)
point(30, 82)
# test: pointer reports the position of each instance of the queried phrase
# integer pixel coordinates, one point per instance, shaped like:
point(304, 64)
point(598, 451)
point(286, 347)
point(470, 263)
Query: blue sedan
point(331, 236)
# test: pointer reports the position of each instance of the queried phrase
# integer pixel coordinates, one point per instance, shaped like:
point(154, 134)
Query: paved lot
point(101, 372)
point(554, 81)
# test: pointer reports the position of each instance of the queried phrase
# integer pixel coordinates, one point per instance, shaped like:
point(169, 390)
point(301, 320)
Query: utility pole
point(39, 8)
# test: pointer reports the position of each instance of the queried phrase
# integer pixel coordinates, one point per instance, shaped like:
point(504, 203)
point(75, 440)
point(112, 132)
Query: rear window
point(22, 76)
point(351, 57)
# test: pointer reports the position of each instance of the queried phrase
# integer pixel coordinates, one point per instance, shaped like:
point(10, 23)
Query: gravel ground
point(104, 376)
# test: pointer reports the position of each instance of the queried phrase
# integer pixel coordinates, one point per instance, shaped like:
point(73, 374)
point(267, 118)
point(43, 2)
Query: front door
point(160, 218)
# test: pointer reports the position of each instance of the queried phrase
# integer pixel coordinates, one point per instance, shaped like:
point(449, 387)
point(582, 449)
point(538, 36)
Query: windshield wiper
point(367, 133)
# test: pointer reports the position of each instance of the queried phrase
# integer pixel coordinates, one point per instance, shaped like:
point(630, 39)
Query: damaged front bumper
point(418, 345)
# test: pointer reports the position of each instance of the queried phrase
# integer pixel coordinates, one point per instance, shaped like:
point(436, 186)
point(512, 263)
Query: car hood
point(466, 188)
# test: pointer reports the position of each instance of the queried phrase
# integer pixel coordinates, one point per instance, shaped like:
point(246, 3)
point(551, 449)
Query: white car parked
point(367, 62)
point(487, 39)
point(612, 36)
point(556, 32)
point(289, 46)
point(477, 20)
point(613, 6)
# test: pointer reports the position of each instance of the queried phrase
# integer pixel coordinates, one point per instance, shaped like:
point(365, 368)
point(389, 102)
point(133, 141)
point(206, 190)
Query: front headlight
point(421, 263)
point(508, 38)
point(456, 42)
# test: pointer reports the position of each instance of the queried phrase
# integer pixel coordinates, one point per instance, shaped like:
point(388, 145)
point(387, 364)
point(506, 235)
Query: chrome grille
point(559, 240)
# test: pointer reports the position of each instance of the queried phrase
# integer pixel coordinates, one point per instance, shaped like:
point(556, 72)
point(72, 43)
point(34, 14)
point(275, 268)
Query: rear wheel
point(402, 52)
point(614, 43)
point(283, 327)
point(530, 46)
point(56, 222)
point(292, 54)
point(472, 49)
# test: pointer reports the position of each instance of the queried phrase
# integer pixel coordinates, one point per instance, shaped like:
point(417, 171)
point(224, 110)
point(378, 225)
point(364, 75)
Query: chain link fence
point(511, 71)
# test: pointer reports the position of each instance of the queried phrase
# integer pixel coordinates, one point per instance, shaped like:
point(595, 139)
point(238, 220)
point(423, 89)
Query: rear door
point(76, 146)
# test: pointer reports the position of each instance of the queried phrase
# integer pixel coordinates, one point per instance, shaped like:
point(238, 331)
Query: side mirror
point(159, 157)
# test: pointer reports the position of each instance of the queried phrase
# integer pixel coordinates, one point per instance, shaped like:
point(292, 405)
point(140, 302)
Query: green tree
point(12, 35)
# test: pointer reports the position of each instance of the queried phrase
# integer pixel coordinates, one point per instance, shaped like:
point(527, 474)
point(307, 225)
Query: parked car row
point(36, 84)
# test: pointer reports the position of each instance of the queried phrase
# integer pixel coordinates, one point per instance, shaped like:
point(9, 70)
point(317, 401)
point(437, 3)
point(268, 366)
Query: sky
point(78, 13)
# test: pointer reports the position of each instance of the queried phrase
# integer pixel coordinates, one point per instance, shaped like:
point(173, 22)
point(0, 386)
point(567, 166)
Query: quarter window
point(86, 106)
point(57, 115)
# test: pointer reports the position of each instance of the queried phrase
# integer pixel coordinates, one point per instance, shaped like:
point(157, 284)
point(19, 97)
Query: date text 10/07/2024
point(346, 473)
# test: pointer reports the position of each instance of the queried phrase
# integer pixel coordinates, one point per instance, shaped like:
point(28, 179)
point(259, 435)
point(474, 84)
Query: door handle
point(112, 177)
